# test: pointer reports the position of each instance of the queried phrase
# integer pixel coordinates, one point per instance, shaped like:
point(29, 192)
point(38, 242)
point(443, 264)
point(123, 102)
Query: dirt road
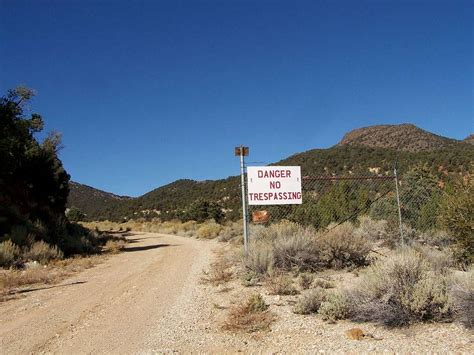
point(150, 299)
point(120, 306)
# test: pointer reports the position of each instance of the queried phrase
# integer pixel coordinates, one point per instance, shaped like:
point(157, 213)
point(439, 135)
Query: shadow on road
point(148, 247)
point(26, 290)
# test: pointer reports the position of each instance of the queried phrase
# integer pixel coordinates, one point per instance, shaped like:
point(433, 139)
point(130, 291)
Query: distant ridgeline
point(366, 151)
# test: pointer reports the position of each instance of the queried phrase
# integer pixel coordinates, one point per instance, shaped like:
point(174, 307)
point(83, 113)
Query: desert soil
point(151, 299)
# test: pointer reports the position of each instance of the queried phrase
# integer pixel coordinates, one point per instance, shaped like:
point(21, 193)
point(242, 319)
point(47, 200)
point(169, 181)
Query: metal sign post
point(242, 152)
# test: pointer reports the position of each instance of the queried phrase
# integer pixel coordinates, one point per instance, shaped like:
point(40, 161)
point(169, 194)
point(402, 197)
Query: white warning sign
point(274, 185)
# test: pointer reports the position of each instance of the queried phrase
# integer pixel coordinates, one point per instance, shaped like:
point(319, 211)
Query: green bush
point(203, 210)
point(458, 218)
point(335, 307)
point(75, 215)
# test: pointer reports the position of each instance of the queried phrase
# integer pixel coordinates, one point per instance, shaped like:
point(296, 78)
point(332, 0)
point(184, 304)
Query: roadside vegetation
point(39, 241)
point(356, 272)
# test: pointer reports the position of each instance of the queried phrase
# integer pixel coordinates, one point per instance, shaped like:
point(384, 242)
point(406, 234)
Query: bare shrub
point(259, 258)
point(9, 253)
point(297, 251)
point(440, 260)
point(334, 307)
point(43, 252)
point(400, 290)
point(281, 284)
point(310, 301)
point(436, 238)
point(341, 247)
point(372, 229)
point(250, 316)
point(393, 238)
point(305, 280)
point(462, 291)
point(114, 246)
point(250, 278)
point(219, 273)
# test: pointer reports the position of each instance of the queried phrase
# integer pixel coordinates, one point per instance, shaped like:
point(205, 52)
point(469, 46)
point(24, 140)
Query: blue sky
point(147, 92)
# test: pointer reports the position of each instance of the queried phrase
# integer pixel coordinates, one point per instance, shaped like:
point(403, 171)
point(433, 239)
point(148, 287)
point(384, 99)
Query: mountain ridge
point(403, 137)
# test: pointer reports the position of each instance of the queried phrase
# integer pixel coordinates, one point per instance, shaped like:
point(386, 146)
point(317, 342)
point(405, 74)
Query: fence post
point(244, 200)
point(398, 204)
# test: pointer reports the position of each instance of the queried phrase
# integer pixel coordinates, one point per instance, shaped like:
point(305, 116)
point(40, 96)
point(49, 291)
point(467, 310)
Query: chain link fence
point(332, 200)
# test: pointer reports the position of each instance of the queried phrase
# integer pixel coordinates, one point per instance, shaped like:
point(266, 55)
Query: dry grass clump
point(208, 230)
point(462, 291)
point(219, 273)
point(279, 230)
point(9, 252)
point(250, 278)
point(440, 260)
point(372, 229)
point(250, 316)
point(39, 251)
point(43, 253)
point(305, 280)
point(400, 290)
point(16, 278)
point(232, 231)
point(281, 284)
point(436, 238)
point(114, 246)
point(259, 259)
point(323, 283)
point(102, 225)
point(310, 301)
point(56, 271)
point(334, 307)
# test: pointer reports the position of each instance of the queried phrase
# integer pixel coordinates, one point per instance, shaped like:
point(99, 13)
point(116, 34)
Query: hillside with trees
point(357, 154)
